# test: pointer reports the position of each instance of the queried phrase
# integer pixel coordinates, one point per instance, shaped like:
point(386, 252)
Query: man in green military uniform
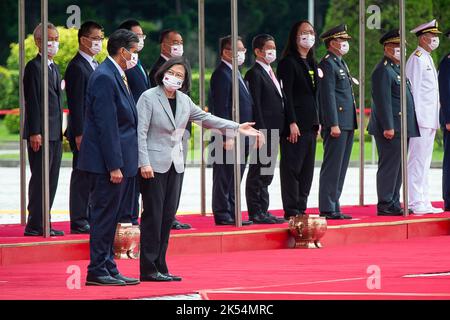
point(337, 111)
point(385, 124)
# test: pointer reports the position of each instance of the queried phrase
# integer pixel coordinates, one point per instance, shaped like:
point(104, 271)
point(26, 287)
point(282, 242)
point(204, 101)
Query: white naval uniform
point(422, 74)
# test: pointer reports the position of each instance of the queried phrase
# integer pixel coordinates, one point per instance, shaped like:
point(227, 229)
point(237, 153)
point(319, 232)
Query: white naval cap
point(429, 27)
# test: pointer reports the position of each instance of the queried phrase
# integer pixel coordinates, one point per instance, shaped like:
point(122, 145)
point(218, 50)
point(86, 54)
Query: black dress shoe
point(174, 278)
point(231, 222)
point(275, 218)
point(390, 213)
point(104, 281)
point(335, 216)
point(128, 281)
point(39, 233)
point(261, 219)
point(158, 277)
point(177, 225)
point(81, 230)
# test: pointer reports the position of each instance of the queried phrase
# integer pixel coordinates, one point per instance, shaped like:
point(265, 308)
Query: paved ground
point(190, 200)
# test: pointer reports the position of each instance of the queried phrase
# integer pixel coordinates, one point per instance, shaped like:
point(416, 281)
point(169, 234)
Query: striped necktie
point(125, 80)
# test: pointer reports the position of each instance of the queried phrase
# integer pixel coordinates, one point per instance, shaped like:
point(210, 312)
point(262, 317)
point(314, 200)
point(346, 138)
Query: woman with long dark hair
point(297, 72)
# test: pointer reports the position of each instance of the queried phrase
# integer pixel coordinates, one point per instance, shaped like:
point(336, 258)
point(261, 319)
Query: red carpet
point(330, 273)
point(204, 224)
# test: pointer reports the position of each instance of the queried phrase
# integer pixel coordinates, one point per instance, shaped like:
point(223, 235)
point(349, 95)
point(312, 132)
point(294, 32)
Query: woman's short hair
point(159, 76)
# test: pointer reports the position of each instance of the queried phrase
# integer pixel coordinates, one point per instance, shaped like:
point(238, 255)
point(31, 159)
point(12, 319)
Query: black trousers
point(336, 158)
point(389, 174)
point(78, 195)
point(297, 171)
point(35, 185)
point(106, 201)
point(160, 196)
point(260, 176)
point(446, 169)
point(223, 201)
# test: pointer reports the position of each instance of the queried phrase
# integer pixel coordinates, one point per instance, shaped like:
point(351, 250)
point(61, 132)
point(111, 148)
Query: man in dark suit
point(171, 45)
point(385, 124)
point(268, 112)
point(139, 82)
point(444, 92)
point(220, 102)
point(337, 113)
point(79, 69)
point(34, 131)
point(109, 154)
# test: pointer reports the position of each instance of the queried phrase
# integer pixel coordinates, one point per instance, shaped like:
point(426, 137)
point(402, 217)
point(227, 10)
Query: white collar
point(228, 64)
point(266, 66)
point(89, 58)
point(423, 50)
point(122, 73)
point(164, 57)
point(49, 62)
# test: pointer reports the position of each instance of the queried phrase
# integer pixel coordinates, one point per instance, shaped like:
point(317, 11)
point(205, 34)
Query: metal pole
point(44, 102)
point(202, 95)
point(22, 143)
point(404, 135)
point(237, 145)
point(311, 11)
point(362, 87)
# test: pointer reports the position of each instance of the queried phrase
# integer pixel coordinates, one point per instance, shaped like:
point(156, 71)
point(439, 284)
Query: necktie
point(54, 75)
point(125, 80)
point(275, 81)
point(95, 64)
point(242, 81)
point(143, 71)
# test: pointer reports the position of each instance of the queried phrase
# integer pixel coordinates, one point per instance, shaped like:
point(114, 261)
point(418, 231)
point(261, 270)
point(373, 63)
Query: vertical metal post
point(362, 87)
point(22, 143)
point(404, 135)
point(237, 145)
point(44, 103)
point(202, 95)
point(311, 11)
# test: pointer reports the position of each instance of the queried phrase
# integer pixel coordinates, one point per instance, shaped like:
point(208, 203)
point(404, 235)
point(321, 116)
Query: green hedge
point(6, 88)
point(12, 123)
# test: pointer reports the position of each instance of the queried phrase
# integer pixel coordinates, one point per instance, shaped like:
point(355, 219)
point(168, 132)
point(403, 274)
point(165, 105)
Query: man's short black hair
point(86, 28)
point(165, 33)
point(225, 43)
point(121, 38)
point(159, 76)
point(129, 24)
point(260, 41)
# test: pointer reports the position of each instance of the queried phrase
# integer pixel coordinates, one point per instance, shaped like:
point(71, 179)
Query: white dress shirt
point(422, 74)
point(122, 73)
point(89, 59)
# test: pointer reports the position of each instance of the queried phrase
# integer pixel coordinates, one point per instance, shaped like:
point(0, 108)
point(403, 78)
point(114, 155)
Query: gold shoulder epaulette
point(418, 53)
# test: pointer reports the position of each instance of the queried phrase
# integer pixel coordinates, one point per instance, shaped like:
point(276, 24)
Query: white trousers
point(419, 161)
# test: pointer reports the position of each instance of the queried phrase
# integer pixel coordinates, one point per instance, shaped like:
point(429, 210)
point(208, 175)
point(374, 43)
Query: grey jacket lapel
point(166, 106)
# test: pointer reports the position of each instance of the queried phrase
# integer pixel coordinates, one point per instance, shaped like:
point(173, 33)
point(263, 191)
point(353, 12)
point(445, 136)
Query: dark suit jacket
point(138, 81)
point(33, 106)
point(77, 76)
point(110, 129)
point(155, 69)
point(337, 106)
point(444, 89)
point(220, 96)
point(386, 110)
point(301, 94)
point(268, 103)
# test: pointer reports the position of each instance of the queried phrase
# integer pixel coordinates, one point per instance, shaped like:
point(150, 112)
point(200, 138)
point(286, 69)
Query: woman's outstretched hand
point(248, 130)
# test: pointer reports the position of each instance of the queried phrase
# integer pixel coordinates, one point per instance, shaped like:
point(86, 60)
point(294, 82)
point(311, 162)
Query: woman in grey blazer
point(163, 113)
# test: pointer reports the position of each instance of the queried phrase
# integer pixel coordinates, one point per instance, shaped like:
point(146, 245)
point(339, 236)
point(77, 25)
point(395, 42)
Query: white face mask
point(53, 48)
point(140, 44)
point(172, 83)
point(397, 54)
point(177, 50)
point(271, 56)
point(344, 48)
point(434, 44)
point(307, 41)
point(133, 61)
point(241, 58)
point(96, 47)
